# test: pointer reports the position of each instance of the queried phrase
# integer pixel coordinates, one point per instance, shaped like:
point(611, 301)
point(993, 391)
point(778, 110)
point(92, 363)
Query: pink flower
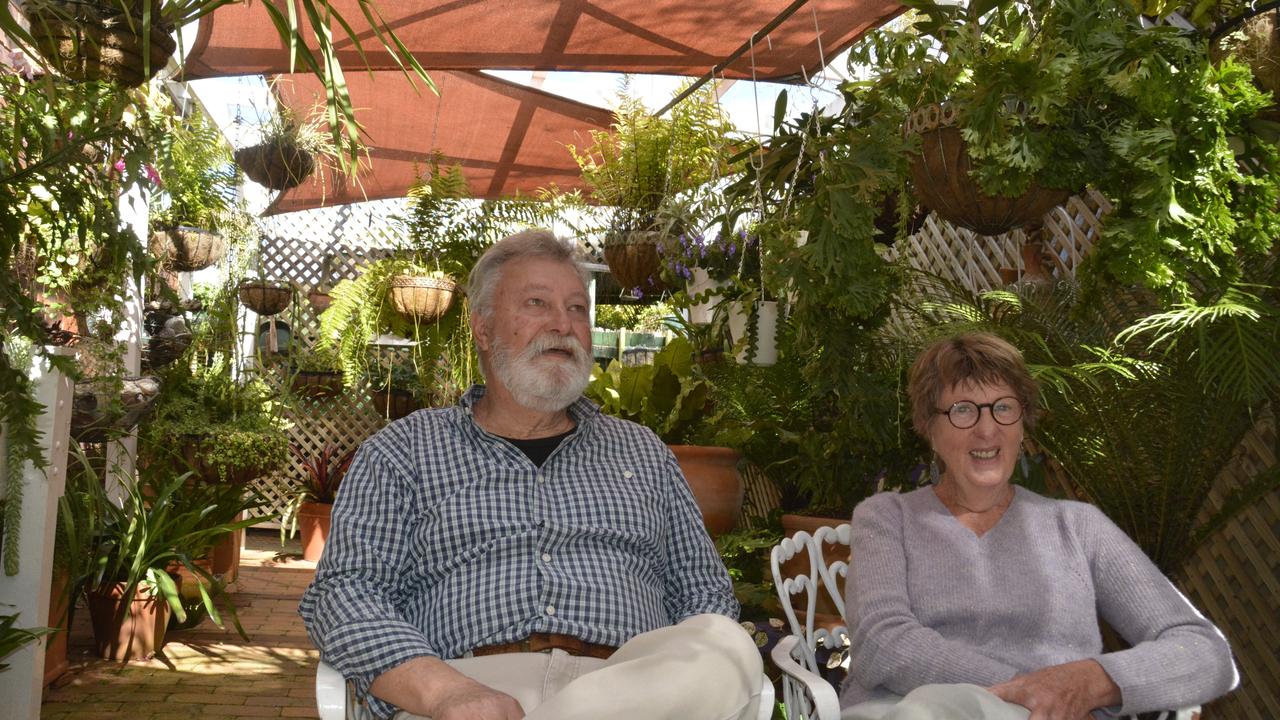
point(119, 165)
point(152, 175)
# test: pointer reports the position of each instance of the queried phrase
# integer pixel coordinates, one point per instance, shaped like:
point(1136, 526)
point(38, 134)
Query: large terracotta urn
point(127, 633)
point(717, 485)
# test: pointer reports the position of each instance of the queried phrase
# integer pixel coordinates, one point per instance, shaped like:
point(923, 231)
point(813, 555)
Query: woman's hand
point(1061, 692)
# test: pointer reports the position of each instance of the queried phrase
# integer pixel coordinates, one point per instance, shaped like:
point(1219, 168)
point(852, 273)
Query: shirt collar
point(583, 411)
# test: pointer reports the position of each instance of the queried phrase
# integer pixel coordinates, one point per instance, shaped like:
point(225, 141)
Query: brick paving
point(206, 672)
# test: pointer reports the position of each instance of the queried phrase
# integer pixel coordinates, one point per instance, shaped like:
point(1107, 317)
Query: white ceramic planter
point(701, 282)
point(767, 332)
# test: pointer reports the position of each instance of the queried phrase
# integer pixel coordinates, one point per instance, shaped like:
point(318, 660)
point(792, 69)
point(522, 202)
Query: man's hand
point(429, 686)
point(1061, 692)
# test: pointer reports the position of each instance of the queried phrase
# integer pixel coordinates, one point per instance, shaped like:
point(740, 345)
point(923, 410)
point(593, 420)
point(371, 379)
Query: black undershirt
point(539, 449)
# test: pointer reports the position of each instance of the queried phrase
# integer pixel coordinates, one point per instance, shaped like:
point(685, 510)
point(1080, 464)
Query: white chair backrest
point(820, 577)
point(833, 572)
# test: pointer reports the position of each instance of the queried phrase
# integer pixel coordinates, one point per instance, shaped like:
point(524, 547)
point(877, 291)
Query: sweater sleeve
point(1177, 658)
point(890, 648)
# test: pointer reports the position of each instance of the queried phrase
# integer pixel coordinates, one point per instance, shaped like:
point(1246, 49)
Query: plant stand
point(95, 419)
point(717, 485)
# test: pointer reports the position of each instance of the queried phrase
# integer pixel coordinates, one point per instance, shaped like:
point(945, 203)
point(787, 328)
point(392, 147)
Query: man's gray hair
point(537, 243)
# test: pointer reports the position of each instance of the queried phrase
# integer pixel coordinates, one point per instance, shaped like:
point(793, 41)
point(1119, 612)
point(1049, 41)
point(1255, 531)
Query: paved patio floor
point(207, 672)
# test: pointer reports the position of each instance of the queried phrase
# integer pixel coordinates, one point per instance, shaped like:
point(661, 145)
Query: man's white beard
point(546, 383)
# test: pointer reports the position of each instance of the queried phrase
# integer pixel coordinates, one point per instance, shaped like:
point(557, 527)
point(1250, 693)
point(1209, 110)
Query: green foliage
point(647, 318)
point(197, 176)
point(158, 524)
point(745, 553)
point(667, 397)
point(324, 472)
point(14, 638)
point(647, 162)
point(1065, 93)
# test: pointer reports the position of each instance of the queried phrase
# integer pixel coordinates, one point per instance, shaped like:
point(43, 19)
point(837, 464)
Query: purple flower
point(733, 248)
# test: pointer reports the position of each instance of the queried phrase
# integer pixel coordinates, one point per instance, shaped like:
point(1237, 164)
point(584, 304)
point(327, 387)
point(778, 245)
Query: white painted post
point(122, 455)
point(22, 685)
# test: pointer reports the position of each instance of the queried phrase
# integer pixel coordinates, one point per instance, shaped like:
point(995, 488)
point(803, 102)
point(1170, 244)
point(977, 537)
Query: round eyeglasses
point(965, 414)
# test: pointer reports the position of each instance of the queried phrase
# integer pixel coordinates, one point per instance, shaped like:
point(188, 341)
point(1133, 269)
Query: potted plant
point(703, 265)
point(647, 163)
point(671, 398)
point(289, 151)
point(311, 504)
point(158, 526)
point(126, 43)
point(314, 373)
point(196, 183)
point(265, 298)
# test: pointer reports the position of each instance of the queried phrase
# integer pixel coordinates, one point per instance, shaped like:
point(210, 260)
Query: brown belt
point(542, 642)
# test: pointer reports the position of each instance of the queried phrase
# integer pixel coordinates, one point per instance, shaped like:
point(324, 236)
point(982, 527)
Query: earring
point(933, 470)
point(1022, 460)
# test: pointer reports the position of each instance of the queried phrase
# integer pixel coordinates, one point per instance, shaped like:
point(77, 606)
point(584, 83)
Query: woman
point(974, 598)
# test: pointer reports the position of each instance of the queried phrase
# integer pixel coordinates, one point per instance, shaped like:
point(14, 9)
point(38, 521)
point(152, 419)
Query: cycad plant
point(1143, 408)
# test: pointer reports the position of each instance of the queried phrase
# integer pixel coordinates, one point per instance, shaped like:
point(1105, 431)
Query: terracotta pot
point(320, 300)
point(633, 260)
point(940, 174)
point(394, 405)
point(187, 249)
point(132, 632)
point(316, 383)
point(717, 485)
point(55, 649)
point(276, 165)
point(265, 298)
point(313, 525)
point(826, 614)
point(421, 297)
point(224, 558)
point(95, 41)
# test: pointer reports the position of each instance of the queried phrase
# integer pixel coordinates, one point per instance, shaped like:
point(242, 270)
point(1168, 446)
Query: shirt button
point(546, 557)
point(551, 609)
point(541, 477)
point(628, 474)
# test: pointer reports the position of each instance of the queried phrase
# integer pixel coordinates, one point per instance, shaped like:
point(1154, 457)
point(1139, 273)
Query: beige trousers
point(938, 702)
point(705, 668)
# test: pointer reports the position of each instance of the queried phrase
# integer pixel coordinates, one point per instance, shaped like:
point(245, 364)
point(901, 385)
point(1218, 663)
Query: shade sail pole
point(742, 50)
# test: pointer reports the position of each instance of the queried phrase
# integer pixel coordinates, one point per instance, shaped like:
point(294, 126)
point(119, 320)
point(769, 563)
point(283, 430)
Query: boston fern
point(1069, 93)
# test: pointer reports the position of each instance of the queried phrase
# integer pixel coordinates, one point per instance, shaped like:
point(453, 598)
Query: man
point(521, 554)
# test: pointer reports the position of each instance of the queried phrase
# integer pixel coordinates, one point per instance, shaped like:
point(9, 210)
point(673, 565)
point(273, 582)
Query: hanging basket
point(187, 249)
point(276, 165)
point(316, 383)
point(1256, 43)
point(94, 40)
point(395, 403)
point(940, 174)
point(633, 260)
point(421, 297)
point(265, 298)
point(320, 300)
point(97, 417)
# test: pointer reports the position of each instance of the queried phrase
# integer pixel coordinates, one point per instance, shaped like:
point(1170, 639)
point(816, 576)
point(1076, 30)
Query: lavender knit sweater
point(930, 602)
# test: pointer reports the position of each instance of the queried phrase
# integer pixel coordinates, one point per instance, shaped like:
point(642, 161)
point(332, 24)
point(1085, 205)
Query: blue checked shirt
point(446, 538)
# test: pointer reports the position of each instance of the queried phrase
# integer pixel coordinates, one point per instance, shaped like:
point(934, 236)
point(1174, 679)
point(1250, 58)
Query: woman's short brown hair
point(980, 358)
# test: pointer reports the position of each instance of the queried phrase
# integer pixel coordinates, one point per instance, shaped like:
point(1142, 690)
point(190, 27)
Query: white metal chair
point(806, 694)
point(336, 699)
